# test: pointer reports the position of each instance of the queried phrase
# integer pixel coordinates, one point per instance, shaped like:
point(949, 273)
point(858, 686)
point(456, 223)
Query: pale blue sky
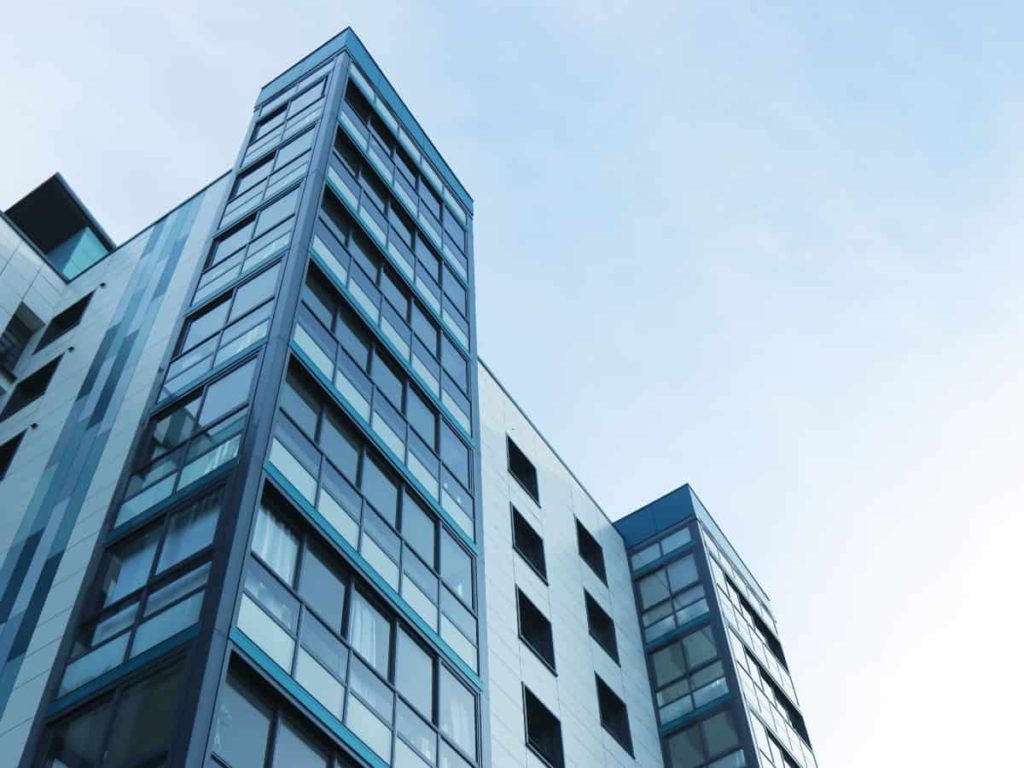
point(771, 249)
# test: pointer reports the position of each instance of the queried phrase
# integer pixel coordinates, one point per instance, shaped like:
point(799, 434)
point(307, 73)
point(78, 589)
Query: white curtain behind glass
point(275, 544)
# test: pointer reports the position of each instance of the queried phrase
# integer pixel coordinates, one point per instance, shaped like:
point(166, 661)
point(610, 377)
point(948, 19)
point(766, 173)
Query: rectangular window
point(710, 738)
point(543, 731)
point(64, 322)
point(29, 389)
point(16, 336)
point(614, 716)
point(687, 674)
point(522, 469)
point(591, 551)
point(660, 548)
point(535, 630)
point(7, 451)
point(671, 597)
point(528, 543)
point(601, 627)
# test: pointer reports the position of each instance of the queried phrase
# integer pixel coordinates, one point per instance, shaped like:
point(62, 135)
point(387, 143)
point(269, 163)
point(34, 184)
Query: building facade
point(264, 506)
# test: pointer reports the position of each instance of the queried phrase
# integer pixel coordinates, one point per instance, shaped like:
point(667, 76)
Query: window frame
point(591, 552)
point(515, 455)
point(624, 738)
point(541, 568)
point(524, 605)
point(594, 611)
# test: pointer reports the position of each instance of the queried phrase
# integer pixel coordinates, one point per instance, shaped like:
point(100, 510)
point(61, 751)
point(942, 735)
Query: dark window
point(144, 713)
point(535, 630)
point(614, 716)
point(703, 741)
point(601, 626)
point(543, 731)
point(29, 389)
point(64, 322)
point(528, 543)
point(591, 551)
point(7, 451)
point(522, 469)
point(16, 337)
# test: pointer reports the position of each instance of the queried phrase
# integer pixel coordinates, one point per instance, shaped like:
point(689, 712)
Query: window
point(188, 440)
point(614, 716)
point(64, 322)
point(704, 741)
point(7, 451)
point(671, 597)
point(145, 713)
point(687, 674)
point(316, 618)
point(29, 389)
point(151, 587)
point(16, 335)
point(528, 543)
point(247, 722)
point(535, 630)
point(658, 549)
point(543, 731)
point(522, 469)
point(601, 626)
point(590, 551)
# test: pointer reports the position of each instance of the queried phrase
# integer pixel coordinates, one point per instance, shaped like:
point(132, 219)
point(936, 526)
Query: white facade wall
point(45, 418)
point(571, 693)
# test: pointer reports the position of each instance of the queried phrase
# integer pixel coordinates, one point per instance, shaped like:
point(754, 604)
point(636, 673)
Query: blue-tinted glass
point(277, 212)
point(242, 726)
point(204, 325)
point(421, 416)
point(418, 529)
point(340, 443)
point(379, 489)
point(414, 675)
point(388, 379)
point(293, 751)
point(456, 567)
point(321, 586)
point(254, 292)
point(455, 454)
point(232, 242)
point(226, 394)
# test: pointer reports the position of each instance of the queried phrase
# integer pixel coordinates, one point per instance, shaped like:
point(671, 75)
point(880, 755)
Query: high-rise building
point(262, 505)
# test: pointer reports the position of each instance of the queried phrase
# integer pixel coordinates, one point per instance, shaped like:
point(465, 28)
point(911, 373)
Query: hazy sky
point(772, 249)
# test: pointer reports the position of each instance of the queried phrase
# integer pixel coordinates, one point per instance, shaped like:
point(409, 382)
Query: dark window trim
point(510, 446)
point(591, 552)
point(624, 740)
point(542, 571)
point(549, 663)
point(591, 606)
point(555, 761)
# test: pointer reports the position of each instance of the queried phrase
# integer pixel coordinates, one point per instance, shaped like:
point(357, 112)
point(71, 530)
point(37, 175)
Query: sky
point(769, 249)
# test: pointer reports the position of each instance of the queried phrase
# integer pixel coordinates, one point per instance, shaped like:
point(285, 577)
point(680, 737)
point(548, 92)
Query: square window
point(7, 451)
point(535, 630)
point(591, 551)
point(614, 716)
point(601, 627)
point(29, 389)
point(522, 469)
point(543, 731)
point(528, 543)
point(64, 322)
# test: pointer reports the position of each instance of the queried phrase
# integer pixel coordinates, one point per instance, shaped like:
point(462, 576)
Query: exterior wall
point(63, 475)
point(570, 694)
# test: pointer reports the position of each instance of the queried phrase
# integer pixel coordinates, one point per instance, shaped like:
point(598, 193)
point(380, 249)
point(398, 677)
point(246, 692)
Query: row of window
point(269, 175)
point(311, 614)
point(688, 674)
point(399, 161)
point(671, 597)
point(433, 281)
point(151, 587)
point(287, 116)
point(188, 440)
point(218, 332)
point(358, 344)
point(248, 245)
point(351, 485)
point(713, 742)
point(661, 548)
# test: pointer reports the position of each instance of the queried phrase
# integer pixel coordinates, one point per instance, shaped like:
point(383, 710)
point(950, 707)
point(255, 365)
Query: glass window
point(380, 489)
point(145, 716)
point(654, 588)
point(388, 379)
point(414, 675)
point(276, 545)
point(425, 329)
point(232, 242)
point(700, 647)
point(294, 148)
point(682, 572)
point(720, 733)
point(418, 529)
point(369, 633)
point(190, 530)
point(454, 364)
point(293, 751)
point(685, 749)
point(250, 178)
point(205, 325)
point(321, 586)
point(251, 294)
point(299, 400)
point(340, 443)
point(454, 454)
point(227, 394)
point(421, 416)
point(353, 337)
point(395, 295)
point(277, 212)
point(78, 740)
point(306, 98)
point(457, 716)
point(242, 726)
point(129, 565)
point(456, 568)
